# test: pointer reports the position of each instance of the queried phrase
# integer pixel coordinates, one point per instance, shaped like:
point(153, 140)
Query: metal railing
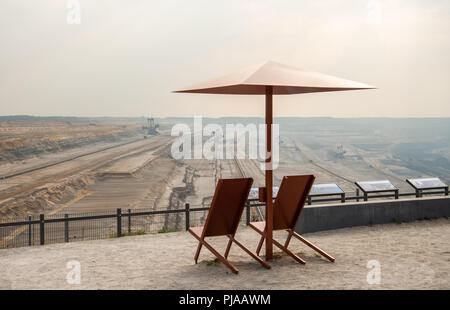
point(365, 197)
point(41, 229)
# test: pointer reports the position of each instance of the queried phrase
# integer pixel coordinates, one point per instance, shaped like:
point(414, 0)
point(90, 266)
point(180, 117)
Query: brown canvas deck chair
point(287, 208)
point(223, 218)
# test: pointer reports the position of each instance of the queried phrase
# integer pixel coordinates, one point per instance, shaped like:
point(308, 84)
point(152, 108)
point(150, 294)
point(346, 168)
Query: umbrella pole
point(269, 206)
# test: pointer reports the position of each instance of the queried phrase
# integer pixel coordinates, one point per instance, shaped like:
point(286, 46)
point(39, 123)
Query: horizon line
point(218, 117)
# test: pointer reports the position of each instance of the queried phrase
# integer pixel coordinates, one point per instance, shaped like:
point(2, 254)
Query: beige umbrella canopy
point(285, 80)
point(271, 78)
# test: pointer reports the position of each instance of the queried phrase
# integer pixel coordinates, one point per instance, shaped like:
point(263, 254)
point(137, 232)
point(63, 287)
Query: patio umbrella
point(271, 78)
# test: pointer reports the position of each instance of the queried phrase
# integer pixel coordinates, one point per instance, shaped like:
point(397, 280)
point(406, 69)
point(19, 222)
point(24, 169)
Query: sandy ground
point(411, 256)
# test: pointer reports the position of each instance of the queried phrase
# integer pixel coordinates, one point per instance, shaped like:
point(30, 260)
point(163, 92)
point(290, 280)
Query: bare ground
point(412, 256)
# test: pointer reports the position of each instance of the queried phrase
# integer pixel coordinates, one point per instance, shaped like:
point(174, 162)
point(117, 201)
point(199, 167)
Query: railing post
point(187, 211)
point(343, 197)
point(42, 229)
point(29, 230)
point(119, 222)
point(357, 195)
point(247, 212)
point(446, 191)
point(66, 227)
point(396, 194)
point(309, 200)
point(129, 220)
point(365, 196)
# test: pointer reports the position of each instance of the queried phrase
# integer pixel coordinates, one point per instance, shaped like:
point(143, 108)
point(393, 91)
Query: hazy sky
point(126, 56)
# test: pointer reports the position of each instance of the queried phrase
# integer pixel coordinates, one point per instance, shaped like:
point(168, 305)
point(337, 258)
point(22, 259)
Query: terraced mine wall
point(333, 216)
point(20, 149)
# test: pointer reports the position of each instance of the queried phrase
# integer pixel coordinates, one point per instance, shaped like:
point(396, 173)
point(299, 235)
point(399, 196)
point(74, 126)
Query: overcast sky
point(126, 56)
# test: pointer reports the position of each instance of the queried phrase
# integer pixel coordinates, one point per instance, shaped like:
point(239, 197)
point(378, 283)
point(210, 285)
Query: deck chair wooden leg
point(279, 245)
point(198, 252)
point(227, 251)
point(259, 260)
point(288, 239)
point(261, 241)
point(287, 251)
point(314, 247)
point(220, 257)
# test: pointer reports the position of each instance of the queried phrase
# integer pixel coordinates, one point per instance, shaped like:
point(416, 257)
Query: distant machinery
point(339, 152)
point(150, 129)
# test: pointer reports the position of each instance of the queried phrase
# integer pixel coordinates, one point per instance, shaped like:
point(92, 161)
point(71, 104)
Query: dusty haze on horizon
point(125, 57)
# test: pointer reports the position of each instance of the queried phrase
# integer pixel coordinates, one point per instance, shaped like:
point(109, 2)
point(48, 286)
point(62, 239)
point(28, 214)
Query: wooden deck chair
point(223, 218)
point(287, 208)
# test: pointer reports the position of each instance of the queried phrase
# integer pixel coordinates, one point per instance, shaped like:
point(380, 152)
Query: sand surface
point(411, 256)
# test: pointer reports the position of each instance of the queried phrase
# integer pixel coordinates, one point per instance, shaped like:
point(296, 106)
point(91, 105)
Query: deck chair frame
point(260, 227)
point(200, 233)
